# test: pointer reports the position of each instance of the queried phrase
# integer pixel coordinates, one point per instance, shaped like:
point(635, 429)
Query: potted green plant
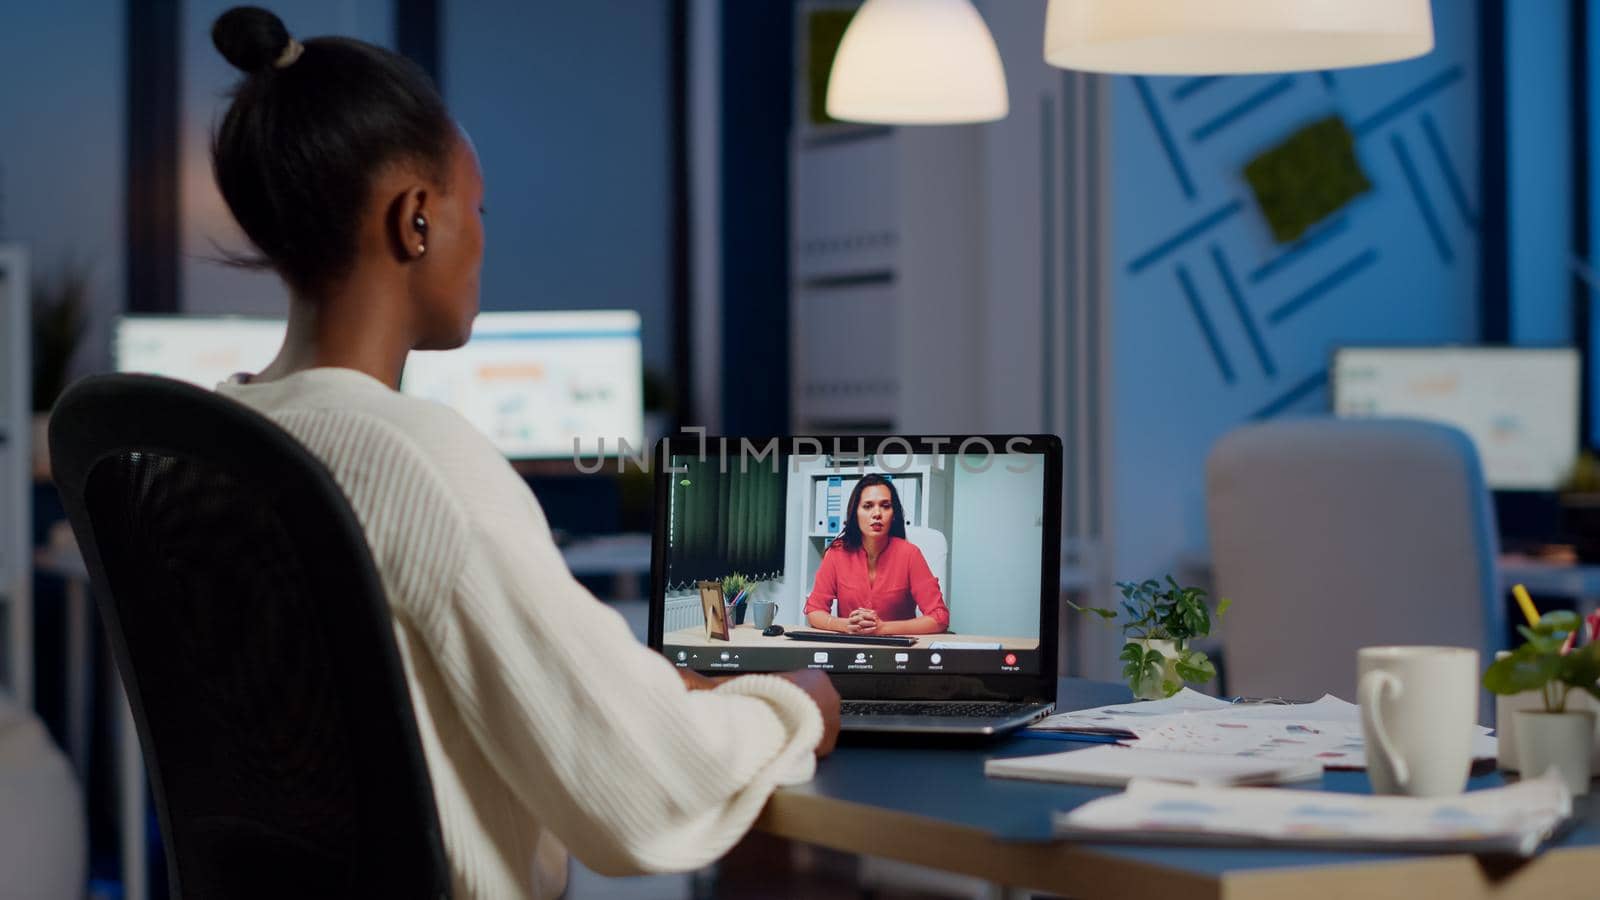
point(60, 315)
point(1159, 622)
point(735, 593)
point(1550, 662)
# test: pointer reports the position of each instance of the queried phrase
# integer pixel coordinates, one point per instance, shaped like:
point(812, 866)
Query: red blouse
point(903, 585)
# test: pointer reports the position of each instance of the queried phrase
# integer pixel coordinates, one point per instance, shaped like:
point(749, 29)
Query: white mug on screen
point(1418, 709)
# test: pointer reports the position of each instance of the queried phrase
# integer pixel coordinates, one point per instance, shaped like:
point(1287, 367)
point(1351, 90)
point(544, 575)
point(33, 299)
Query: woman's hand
point(816, 684)
point(694, 681)
point(820, 689)
point(863, 621)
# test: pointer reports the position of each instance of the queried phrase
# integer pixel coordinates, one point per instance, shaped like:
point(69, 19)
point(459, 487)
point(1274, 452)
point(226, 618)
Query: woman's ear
point(407, 224)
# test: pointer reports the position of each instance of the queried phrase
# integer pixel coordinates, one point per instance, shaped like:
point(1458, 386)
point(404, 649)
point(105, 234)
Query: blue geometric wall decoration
point(1215, 324)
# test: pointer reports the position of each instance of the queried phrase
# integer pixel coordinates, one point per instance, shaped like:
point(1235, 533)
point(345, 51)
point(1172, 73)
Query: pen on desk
point(1529, 611)
point(1077, 736)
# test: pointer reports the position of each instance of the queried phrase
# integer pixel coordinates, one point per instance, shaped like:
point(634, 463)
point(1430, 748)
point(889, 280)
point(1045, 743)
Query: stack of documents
point(1510, 820)
point(1118, 720)
point(1328, 731)
point(1113, 766)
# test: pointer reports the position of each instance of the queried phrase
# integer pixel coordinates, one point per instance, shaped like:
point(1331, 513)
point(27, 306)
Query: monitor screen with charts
point(543, 385)
point(925, 559)
point(1519, 405)
point(202, 350)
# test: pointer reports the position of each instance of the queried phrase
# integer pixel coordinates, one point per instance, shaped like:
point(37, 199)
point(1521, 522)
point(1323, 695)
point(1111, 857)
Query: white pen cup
point(1418, 709)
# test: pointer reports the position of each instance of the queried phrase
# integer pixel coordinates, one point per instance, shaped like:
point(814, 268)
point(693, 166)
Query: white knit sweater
point(546, 725)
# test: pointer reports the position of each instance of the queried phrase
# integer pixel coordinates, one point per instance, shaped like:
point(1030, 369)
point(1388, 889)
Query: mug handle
point(1370, 692)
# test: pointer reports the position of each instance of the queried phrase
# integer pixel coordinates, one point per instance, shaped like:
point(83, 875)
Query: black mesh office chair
point(254, 640)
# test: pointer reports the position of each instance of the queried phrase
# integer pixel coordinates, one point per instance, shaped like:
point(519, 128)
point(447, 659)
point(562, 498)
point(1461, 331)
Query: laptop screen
point(936, 548)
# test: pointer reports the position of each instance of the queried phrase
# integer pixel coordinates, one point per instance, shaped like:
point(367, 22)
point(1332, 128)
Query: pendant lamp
point(1214, 37)
point(917, 62)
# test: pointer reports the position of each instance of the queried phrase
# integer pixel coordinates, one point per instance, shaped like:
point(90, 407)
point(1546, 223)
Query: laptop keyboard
point(910, 708)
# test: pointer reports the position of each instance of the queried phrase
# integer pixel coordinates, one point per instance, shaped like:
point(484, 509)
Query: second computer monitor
point(543, 385)
point(1519, 405)
point(202, 350)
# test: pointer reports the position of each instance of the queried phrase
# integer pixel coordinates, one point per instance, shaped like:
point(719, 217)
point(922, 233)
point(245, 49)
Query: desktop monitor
point(1519, 405)
point(982, 514)
point(543, 385)
point(202, 350)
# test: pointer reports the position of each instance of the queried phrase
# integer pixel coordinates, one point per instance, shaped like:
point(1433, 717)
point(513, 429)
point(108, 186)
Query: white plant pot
point(1169, 672)
point(1505, 721)
point(1559, 741)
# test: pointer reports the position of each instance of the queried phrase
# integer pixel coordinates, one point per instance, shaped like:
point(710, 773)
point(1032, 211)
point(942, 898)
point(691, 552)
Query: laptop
point(920, 573)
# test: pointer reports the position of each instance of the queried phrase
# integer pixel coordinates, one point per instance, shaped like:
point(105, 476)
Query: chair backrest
point(935, 549)
point(254, 639)
point(1329, 535)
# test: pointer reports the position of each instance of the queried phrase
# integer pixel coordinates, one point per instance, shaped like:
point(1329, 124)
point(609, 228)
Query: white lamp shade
point(917, 62)
point(1214, 37)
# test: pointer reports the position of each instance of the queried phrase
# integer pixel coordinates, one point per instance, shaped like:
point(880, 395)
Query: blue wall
point(207, 285)
point(568, 104)
point(62, 149)
point(1539, 202)
point(1592, 210)
point(1214, 324)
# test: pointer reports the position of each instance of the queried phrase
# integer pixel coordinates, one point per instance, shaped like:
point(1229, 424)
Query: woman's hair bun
point(249, 37)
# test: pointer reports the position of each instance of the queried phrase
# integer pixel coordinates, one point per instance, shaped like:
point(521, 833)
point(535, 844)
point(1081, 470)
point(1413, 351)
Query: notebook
point(1516, 819)
point(1111, 766)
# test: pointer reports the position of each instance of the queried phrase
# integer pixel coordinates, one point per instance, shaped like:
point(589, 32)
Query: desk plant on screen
point(736, 589)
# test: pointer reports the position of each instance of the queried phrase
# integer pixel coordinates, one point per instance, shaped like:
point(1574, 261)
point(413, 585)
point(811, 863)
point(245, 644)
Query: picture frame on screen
point(716, 612)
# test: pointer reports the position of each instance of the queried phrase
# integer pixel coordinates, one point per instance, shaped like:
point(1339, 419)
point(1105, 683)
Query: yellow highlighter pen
point(1529, 612)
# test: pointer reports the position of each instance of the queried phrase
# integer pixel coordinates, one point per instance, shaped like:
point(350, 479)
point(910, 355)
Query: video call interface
point(871, 564)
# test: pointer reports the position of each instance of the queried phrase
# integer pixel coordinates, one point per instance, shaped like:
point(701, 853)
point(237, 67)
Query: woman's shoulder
point(361, 417)
point(903, 546)
point(902, 543)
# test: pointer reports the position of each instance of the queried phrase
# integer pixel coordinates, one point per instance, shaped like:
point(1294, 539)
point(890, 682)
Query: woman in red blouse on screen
point(882, 582)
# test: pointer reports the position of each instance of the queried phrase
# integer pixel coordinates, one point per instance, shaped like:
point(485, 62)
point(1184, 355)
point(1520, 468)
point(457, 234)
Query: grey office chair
point(254, 639)
point(1329, 535)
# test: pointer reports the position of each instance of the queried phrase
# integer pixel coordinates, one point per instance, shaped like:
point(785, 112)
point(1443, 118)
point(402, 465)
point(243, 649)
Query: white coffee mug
point(1418, 709)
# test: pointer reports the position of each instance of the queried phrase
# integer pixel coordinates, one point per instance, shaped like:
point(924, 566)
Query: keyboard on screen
point(941, 708)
